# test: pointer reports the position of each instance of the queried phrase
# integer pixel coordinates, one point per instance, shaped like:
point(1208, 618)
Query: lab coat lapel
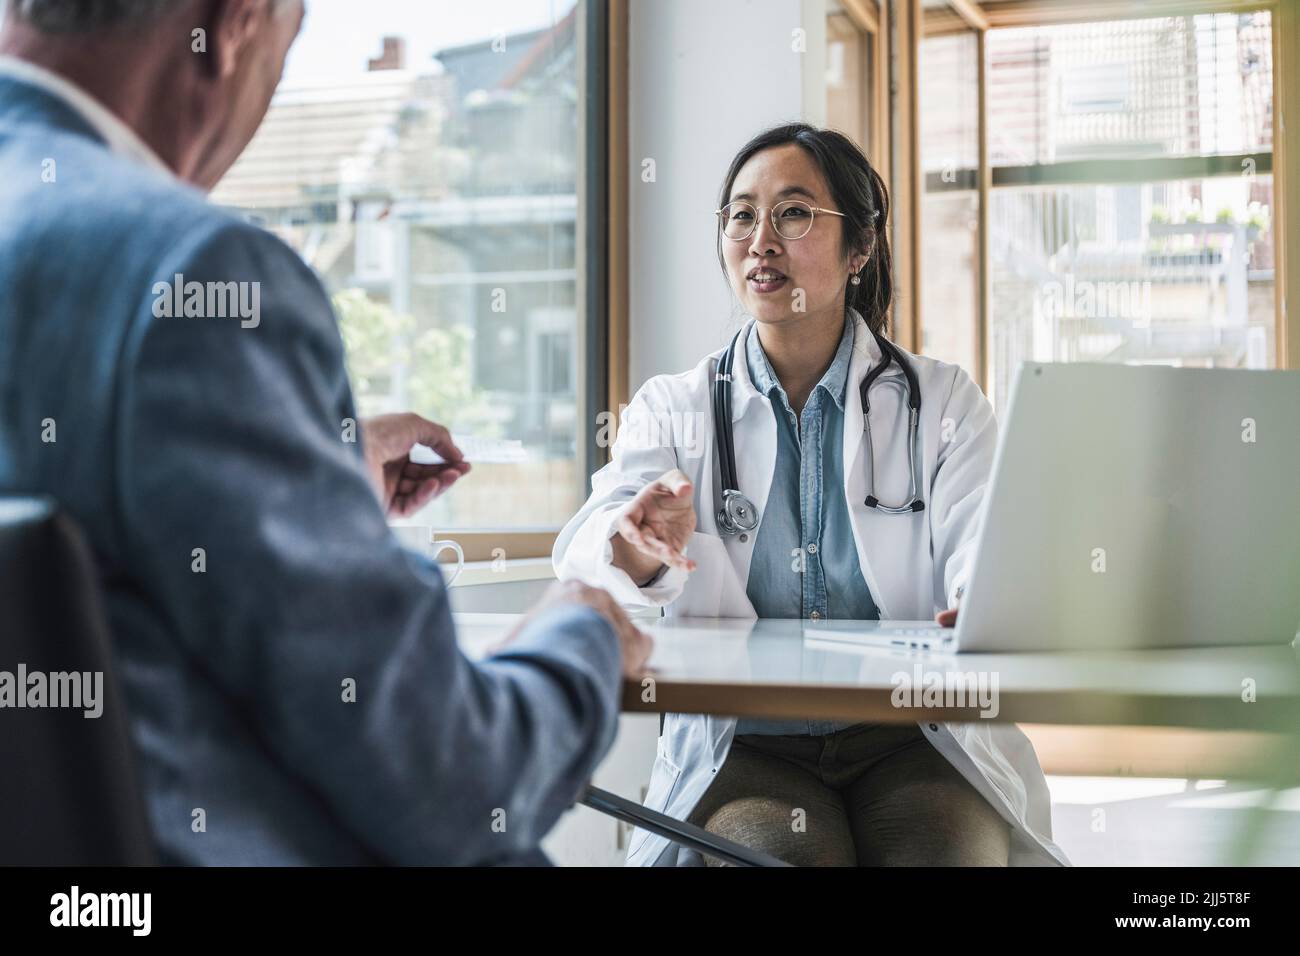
point(866, 353)
point(754, 434)
point(884, 542)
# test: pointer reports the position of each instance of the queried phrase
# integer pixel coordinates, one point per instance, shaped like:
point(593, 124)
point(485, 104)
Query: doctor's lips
point(765, 279)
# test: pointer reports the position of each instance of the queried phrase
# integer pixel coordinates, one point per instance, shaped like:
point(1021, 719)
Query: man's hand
point(636, 644)
point(403, 486)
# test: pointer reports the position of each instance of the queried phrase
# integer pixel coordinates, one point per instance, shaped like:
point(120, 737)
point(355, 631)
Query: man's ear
point(232, 25)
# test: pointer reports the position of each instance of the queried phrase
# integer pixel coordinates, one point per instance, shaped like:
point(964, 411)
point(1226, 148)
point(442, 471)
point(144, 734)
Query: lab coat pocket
point(664, 777)
point(714, 588)
point(977, 741)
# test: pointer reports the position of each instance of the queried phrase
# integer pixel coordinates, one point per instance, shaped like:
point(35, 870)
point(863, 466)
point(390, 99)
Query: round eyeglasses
point(791, 219)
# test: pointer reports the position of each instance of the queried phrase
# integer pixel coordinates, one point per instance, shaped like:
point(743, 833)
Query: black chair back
point(68, 790)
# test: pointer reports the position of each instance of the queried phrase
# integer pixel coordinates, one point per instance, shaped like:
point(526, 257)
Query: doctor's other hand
point(636, 644)
point(403, 486)
point(655, 527)
point(948, 618)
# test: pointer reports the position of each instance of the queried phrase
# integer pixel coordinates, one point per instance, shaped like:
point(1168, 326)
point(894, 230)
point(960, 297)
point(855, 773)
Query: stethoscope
point(738, 513)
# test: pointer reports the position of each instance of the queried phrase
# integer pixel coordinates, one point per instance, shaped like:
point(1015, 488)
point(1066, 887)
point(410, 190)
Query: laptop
point(1130, 507)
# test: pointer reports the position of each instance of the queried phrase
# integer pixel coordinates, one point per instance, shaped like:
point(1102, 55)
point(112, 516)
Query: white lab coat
point(912, 564)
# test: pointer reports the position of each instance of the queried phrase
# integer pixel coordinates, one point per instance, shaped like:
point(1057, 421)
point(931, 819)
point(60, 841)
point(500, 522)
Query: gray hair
point(86, 16)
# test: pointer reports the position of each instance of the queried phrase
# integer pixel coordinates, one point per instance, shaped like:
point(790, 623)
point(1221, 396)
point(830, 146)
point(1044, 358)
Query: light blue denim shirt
point(806, 521)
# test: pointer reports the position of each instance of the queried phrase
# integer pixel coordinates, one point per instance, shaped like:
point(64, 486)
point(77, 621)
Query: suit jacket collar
point(30, 90)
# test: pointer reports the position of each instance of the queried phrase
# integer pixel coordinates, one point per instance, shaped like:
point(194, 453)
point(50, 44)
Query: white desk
point(788, 669)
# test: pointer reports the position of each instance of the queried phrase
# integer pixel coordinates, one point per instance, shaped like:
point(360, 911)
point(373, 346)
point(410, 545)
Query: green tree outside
point(438, 360)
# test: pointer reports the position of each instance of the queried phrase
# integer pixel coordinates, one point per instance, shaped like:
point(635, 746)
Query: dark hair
point(91, 16)
point(857, 191)
point(84, 16)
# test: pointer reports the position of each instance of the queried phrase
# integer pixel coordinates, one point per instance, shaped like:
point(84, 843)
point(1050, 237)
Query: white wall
point(692, 103)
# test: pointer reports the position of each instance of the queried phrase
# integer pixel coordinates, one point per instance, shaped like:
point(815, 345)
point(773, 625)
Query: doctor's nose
point(765, 240)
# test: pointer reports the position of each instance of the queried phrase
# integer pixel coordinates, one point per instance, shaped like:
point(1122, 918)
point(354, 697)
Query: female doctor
point(801, 507)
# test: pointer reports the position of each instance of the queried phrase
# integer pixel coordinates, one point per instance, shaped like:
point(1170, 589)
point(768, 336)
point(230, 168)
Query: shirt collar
point(832, 382)
point(119, 137)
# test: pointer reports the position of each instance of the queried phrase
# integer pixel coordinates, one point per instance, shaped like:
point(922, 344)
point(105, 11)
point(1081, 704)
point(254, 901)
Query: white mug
point(436, 546)
point(423, 539)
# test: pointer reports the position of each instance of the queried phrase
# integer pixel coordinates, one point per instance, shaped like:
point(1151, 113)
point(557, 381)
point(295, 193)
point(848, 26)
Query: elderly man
point(295, 690)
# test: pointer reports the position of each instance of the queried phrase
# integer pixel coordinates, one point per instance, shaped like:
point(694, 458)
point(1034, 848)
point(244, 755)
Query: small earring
point(855, 279)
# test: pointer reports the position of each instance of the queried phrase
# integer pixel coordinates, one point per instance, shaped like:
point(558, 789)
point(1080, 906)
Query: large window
point(857, 74)
point(948, 143)
point(1132, 214)
point(427, 161)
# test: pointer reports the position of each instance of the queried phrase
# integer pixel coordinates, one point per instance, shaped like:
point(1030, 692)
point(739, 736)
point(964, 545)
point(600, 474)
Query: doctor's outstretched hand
point(655, 527)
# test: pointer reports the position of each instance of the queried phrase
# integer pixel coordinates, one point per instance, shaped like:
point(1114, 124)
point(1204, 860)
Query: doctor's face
point(778, 279)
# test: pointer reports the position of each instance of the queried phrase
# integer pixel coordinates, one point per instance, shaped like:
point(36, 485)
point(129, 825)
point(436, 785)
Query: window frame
point(601, 267)
point(1283, 162)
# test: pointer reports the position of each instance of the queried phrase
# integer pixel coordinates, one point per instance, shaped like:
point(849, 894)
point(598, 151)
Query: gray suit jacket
point(176, 434)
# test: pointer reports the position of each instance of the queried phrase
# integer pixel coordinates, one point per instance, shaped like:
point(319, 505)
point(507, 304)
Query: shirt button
point(815, 615)
point(812, 548)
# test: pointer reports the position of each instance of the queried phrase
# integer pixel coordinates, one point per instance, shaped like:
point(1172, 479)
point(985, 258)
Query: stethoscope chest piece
point(737, 513)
